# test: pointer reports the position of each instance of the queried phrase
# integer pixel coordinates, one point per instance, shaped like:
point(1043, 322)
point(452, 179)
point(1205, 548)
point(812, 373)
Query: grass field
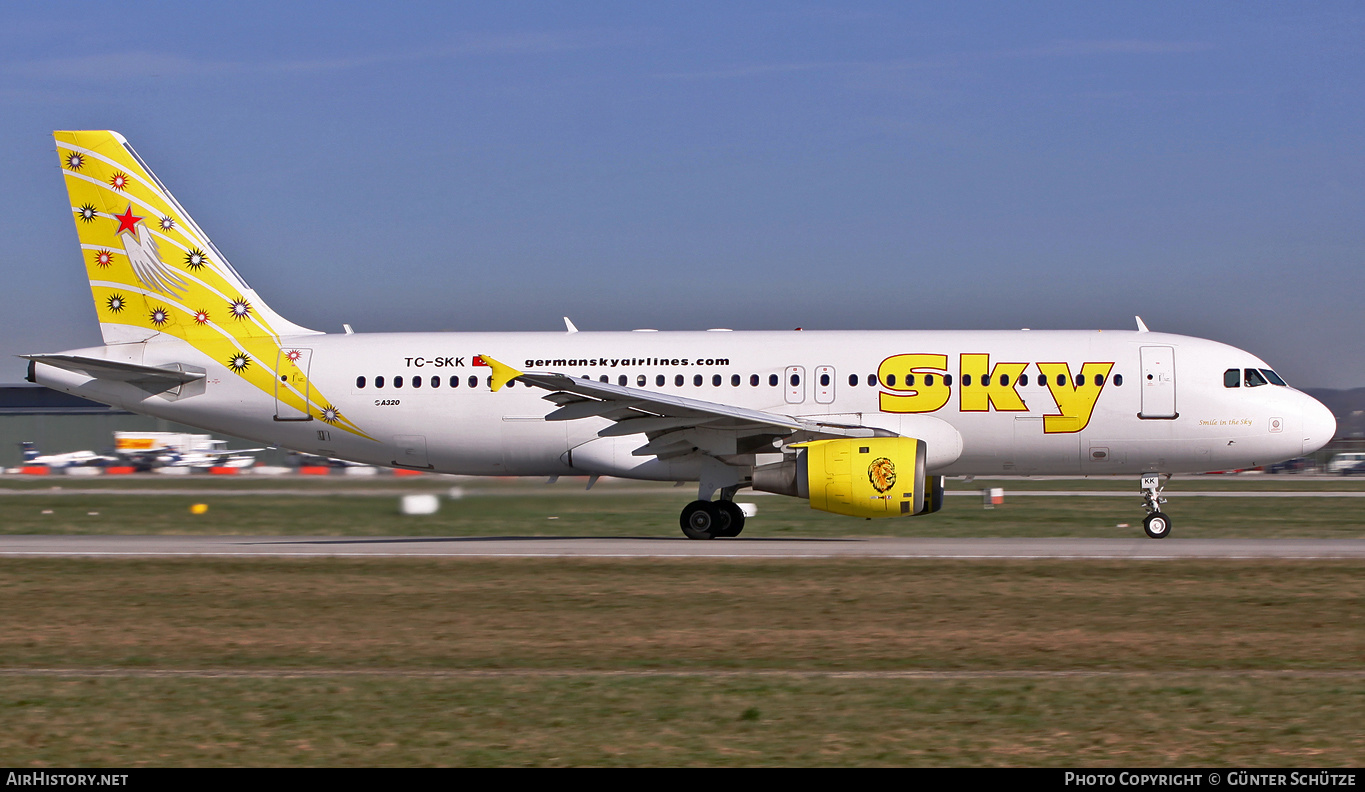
point(342, 508)
point(549, 662)
point(342, 662)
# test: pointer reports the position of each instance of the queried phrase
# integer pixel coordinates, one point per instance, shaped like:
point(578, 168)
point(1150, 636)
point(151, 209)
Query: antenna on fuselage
point(1142, 326)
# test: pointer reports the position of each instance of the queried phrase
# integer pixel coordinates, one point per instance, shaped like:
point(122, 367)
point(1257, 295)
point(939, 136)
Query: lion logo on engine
point(882, 474)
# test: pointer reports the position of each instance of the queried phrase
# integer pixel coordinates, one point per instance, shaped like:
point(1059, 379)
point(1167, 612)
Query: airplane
point(32, 456)
point(863, 424)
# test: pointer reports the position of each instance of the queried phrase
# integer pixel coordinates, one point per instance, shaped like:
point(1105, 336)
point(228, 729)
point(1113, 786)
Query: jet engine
point(858, 477)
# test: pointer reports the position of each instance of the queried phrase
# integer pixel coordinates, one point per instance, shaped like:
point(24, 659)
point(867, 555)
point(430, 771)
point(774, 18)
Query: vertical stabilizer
point(154, 273)
point(151, 268)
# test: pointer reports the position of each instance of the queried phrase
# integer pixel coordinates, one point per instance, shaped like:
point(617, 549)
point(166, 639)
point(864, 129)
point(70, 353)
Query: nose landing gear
point(1156, 525)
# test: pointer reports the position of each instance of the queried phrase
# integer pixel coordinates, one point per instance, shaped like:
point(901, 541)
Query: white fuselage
point(1201, 424)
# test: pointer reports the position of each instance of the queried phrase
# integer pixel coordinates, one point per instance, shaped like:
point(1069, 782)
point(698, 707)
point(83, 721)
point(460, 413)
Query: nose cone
point(1319, 426)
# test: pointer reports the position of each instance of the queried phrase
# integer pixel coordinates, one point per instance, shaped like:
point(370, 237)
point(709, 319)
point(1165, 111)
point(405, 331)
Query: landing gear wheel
point(731, 518)
point(701, 520)
point(1157, 525)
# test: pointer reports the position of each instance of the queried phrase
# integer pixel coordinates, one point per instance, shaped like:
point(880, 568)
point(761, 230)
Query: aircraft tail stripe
point(161, 298)
point(168, 280)
point(198, 239)
point(189, 220)
point(154, 185)
point(230, 338)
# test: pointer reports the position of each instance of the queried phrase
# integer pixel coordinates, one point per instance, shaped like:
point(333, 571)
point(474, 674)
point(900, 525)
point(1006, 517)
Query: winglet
point(1142, 326)
point(502, 373)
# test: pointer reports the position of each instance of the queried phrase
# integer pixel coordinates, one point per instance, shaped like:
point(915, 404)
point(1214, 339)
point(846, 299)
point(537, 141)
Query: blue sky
point(495, 166)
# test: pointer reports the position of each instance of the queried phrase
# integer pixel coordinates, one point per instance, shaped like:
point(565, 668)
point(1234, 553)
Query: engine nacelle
point(933, 494)
point(858, 477)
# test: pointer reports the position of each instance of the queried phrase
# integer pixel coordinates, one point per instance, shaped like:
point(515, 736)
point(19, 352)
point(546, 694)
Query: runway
point(661, 547)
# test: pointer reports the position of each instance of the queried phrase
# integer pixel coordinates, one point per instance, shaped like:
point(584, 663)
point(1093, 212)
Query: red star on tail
point(127, 222)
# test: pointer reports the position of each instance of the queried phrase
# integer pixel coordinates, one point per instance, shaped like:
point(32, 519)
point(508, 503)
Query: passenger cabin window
point(772, 380)
point(824, 380)
point(947, 380)
point(1232, 378)
point(640, 381)
point(872, 380)
point(435, 382)
point(966, 380)
point(753, 380)
point(1118, 380)
point(1253, 379)
point(734, 380)
point(890, 380)
point(696, 380)
point(621, 380)
point(360, 382)
point(715, 380)
point(379, 382)
point(455, 381)
point(852, 379)
point(417, 382)
point(659, 381)
point(678, 380)
point(473, 381)
point(397, 382)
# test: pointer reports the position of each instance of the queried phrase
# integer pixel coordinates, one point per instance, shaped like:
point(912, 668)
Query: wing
point(672, 426)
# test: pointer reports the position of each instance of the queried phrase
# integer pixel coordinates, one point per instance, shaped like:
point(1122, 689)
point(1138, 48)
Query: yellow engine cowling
point(859, 477)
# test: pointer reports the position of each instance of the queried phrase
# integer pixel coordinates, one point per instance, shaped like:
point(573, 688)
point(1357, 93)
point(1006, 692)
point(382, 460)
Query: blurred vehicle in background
point(1341, 463)
point(1295, 465)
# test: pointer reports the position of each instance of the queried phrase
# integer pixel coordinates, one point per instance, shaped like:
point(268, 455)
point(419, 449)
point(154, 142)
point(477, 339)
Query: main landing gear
point(1157, 524)
point(705, 519)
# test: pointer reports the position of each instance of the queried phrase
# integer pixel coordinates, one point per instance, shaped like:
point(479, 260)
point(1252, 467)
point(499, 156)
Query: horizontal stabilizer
point(133, 373)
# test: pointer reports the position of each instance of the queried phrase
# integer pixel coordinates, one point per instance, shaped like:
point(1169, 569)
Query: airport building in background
point(59, 422)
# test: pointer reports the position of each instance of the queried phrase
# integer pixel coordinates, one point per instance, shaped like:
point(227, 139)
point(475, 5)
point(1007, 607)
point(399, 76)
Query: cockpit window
point(1274, 378)
point(1254, 379)
point(1232, 378)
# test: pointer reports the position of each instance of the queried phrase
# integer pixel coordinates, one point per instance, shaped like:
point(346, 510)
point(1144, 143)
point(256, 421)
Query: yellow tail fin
point(153, 271)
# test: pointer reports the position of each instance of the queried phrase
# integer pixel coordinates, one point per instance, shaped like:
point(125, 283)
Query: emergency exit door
point(794, 378)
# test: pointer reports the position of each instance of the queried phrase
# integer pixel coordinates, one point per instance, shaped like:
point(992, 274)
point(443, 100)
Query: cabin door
point(1158, 382)
point(291, 384)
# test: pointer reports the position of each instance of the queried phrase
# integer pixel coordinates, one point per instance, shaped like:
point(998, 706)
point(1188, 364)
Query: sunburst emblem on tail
point(141, 248)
